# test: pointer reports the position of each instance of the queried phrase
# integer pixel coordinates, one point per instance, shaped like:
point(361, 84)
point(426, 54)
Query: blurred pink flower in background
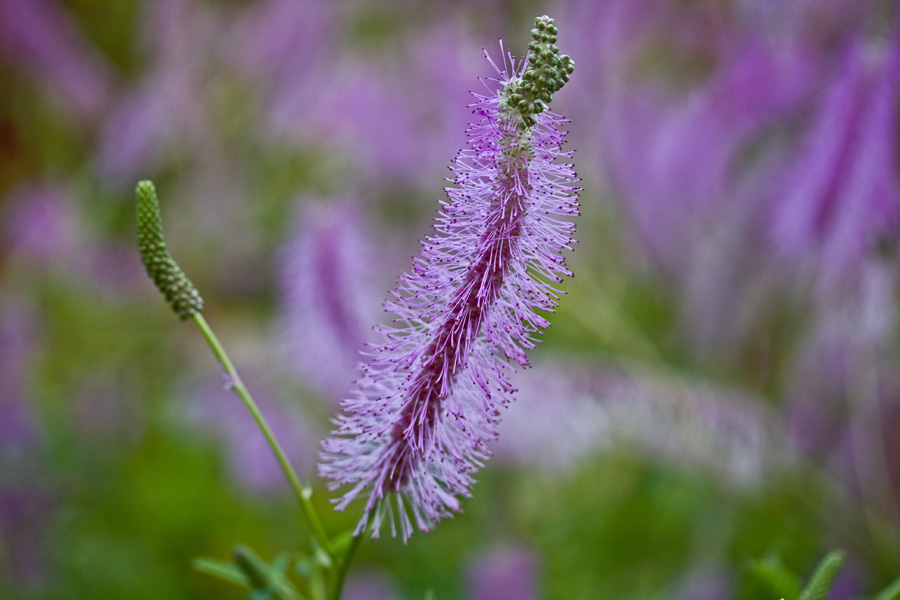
point(215, 410)
point(40, 36)
point(844, 395)
point(356, 99)
point(138, 127)
point(332, 275)
point(841, 197)
point(502, 573)
point(42, 227)
point(677, 160)
point(369, 585)
point(284, 47)
point(23, 519)
point(556, 420)
point(25, 498)
point(167, 106)
point(704, 583)
point(44, 235)
point(19, 342)
point(567, 413)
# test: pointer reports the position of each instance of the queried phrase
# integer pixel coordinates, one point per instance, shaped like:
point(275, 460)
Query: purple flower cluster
point(416, 425)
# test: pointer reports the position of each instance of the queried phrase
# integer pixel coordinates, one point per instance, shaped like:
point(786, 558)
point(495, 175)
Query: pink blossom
point(416, 425)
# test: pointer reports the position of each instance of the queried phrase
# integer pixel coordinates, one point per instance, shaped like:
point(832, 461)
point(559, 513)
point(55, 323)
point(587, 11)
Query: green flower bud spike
point(547, 72)
point(180, 293)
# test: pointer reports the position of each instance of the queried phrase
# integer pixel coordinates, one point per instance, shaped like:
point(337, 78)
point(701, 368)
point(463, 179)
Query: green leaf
point(322, 557)
point(281, 562)
point(823, 577)
point(254, 568)
point(783, 582)
point(221, 569)
point(341, 541)
point(262, 576)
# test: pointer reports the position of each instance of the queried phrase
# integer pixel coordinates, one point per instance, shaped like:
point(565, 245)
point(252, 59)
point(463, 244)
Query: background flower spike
point(180, 293)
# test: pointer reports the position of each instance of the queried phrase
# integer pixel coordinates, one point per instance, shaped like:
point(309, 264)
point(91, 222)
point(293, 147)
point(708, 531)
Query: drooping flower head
point(414, 429)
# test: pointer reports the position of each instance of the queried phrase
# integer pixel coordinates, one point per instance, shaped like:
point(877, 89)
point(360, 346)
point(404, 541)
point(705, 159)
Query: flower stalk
point(184, 299)
point(301, 491)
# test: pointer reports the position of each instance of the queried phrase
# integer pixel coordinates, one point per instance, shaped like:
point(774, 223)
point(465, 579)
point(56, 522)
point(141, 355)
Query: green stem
point(344, 565)
point(302, 492)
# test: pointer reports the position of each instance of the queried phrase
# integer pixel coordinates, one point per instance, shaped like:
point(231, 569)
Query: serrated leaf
point(221, 569)
point(823, 577)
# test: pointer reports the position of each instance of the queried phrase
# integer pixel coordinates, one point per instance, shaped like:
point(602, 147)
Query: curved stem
point(303, 492)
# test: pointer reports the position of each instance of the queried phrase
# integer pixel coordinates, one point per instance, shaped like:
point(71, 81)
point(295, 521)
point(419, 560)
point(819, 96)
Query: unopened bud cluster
point(547, 72)
point(180, 293)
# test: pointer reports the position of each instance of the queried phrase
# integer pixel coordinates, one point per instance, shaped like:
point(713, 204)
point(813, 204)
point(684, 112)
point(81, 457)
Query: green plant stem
point(302, 492)
point(341, 573)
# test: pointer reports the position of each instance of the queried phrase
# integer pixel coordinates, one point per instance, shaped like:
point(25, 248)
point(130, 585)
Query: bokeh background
point(720, 384)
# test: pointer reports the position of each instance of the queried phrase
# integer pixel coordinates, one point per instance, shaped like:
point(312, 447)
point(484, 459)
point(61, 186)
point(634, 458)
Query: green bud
point(546, 73)
point(178, 290)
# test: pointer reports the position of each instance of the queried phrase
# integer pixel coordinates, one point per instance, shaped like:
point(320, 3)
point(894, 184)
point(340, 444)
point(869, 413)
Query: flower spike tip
point(180, 293)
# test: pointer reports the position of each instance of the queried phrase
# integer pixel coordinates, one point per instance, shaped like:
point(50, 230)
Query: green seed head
point(547, 72)
point(178, 290)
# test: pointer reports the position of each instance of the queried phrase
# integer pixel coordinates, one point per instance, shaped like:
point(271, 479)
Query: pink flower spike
point(415, 427)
